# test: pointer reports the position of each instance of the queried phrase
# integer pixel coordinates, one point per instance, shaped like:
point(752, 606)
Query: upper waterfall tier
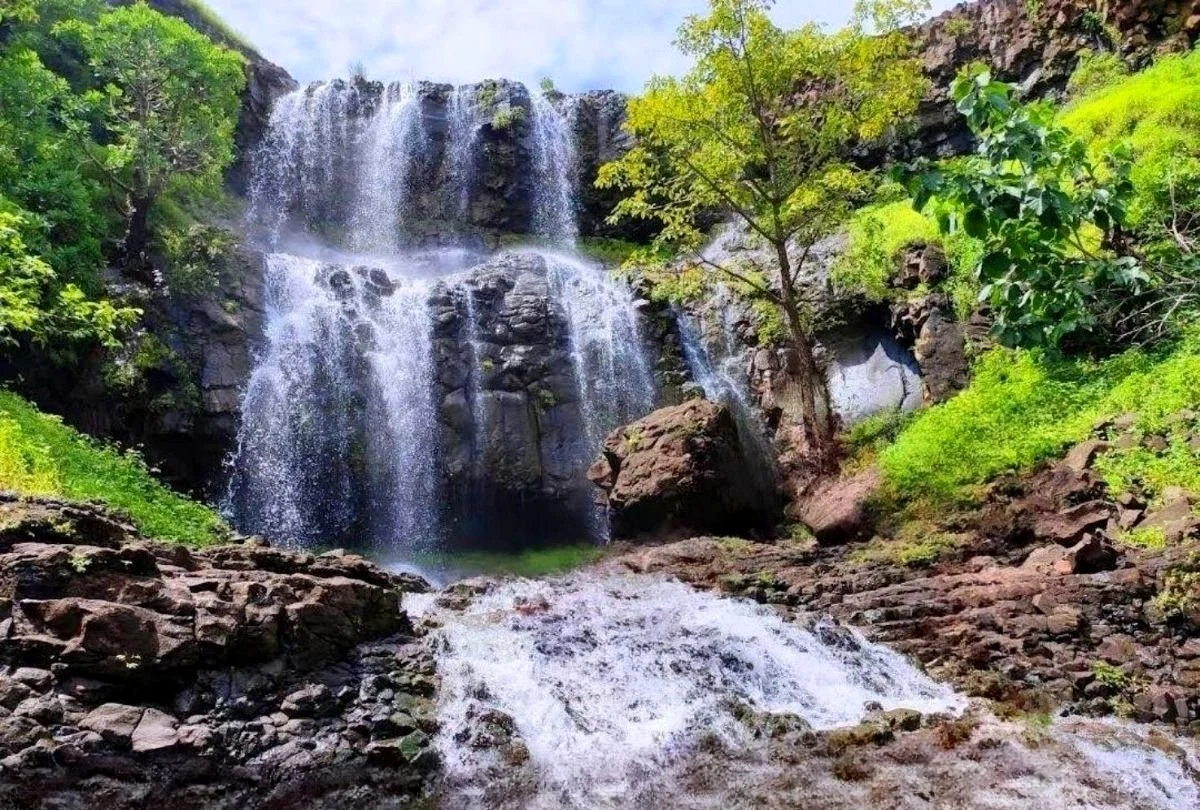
point(376, 168)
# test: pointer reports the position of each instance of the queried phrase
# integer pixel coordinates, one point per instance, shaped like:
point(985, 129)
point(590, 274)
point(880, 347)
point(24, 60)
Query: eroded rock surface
point(244, 676)
point(681, 469)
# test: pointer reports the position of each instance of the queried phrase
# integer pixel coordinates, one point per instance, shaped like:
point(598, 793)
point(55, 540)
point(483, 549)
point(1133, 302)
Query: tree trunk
point(137, 236)
point(818, 422)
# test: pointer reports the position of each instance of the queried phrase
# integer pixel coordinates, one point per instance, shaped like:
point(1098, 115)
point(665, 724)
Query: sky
point(580, 44)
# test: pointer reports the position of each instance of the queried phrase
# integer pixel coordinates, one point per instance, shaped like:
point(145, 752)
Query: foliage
point(39, 167)
point(41, 456)
point(18, 11)
point(1179, 595)
point(1141, 469)
point(876, 432)
point(169, 102)
point(1031, 194)
point(194, 255)
point(762, 127)
point(880, 232)
point(1151, 538)
point(1109, 676)
point(36, 307)
point(209, 22)
point(1157, 113)
point(1095, 71)
point(1022, 408)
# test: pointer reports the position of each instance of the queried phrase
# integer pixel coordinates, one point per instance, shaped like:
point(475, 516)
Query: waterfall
point(373, 413)
point(616, 383)
point(393, 150)
point(461, 151)
point(338, 420)
point(615, 683)
point(556, 171)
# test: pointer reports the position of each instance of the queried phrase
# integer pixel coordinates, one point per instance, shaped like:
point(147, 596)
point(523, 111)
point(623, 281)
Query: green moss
point(918, 544)
point(1108, 676)
point(39, 455)
point(1140, 469)
point(533, 563)
point(1022, 408)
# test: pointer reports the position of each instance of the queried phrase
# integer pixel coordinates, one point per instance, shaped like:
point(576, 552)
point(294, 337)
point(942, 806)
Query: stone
point(156, 731)
point(1176, 519)
point(1089, 555)
point(311, 701)
point(838, 510)
point(680, 470)
point(1068, 526)
point(1083, 454)
point(114, 722)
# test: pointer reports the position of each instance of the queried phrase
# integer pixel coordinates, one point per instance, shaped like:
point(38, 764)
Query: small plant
point(506, 116)
point(1150, 538)
point(1176, 599)
point(958, 27)
point(80, 563)
point(547, 85)
point(546, 399)
point(633, 439)
point(1109, 676)
point(487, 364)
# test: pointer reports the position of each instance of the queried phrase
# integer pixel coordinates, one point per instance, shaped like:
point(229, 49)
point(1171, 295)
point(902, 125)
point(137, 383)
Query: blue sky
point(581, 44)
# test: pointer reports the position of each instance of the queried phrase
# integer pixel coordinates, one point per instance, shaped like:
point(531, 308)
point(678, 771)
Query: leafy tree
point(39, 167)
point(36, 307)
point(17, 11)
point(763, 127)
point(1047, 218)
point(169, 104)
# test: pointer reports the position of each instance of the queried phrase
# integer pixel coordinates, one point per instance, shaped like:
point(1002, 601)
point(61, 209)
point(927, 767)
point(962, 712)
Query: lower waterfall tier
point(408, 413)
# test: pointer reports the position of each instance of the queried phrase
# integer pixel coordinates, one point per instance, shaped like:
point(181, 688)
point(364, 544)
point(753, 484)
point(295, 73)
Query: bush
point(1157, 111)
point(39, 455)
point(879, 233)
point(1096, 70)
point(1022, 408)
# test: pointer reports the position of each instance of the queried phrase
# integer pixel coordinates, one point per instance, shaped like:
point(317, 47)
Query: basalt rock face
point(1037, 47)
point(510, 413)
point(239, 677)
point(680, 470)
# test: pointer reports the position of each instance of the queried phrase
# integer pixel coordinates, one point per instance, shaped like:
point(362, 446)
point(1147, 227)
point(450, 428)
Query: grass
point(1022, 408)
point(1157, 112)
point(213, 25)
point(39, 455)
point(919, 544)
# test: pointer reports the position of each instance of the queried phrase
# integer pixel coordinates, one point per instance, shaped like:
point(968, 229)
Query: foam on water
point(612, 678)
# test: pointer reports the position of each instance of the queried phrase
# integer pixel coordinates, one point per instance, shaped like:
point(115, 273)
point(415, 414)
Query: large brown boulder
point(681, 470)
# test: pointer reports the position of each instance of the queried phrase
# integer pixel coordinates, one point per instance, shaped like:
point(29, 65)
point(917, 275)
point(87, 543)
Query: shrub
point(39, 455)
point(1157, 112)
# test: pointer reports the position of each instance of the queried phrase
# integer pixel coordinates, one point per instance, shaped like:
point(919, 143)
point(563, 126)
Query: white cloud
point(581, 44)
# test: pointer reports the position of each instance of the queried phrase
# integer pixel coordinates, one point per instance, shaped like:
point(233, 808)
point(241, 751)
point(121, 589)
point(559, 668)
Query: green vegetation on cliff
point(1023, 407)
point(39, 455)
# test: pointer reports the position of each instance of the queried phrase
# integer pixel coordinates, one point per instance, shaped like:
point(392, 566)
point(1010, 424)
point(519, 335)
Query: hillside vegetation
point(39, 455)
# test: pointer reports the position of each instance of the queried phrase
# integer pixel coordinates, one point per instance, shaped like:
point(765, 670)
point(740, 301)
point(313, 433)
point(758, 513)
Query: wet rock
point(680, 470)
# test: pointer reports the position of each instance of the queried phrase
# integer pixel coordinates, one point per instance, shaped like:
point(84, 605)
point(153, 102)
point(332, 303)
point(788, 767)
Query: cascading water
point(347, 417)
point(616, 383)
point(393, 150)
point(613, 683)
point(313, 465)
point(556, 171)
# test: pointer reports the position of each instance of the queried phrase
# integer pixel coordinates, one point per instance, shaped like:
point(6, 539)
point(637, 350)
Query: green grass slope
point(39, 455)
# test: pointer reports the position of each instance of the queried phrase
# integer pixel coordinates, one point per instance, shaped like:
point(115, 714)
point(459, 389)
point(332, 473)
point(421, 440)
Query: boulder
point(680, 470)
point(838, 510)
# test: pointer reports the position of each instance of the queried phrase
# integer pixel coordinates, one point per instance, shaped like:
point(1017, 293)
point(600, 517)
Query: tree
point(763, 128)
point(1051, 223)
point(36, 307)
point(169, 104)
